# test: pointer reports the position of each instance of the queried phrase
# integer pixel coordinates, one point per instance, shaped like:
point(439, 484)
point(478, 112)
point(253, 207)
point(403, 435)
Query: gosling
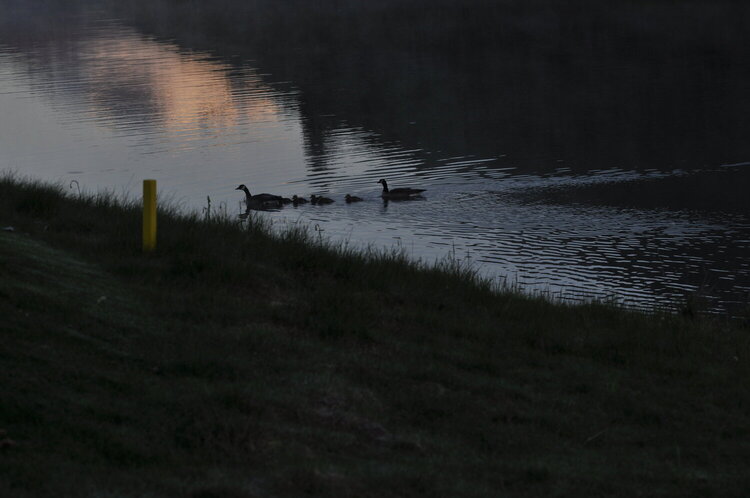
point(317, 199)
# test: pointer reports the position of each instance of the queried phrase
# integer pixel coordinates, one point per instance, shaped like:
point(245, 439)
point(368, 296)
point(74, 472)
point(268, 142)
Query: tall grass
point(235, 361)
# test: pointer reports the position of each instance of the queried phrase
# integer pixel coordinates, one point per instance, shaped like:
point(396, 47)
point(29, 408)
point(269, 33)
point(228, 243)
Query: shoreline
point(232, 363)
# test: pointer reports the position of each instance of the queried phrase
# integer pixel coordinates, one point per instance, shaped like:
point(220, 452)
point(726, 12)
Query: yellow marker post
point(149, 215)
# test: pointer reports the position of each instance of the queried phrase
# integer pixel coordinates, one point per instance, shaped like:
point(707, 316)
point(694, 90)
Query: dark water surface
point(592, 153)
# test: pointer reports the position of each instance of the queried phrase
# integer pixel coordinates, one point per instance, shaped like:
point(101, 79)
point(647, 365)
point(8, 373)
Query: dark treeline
point(631, 84)
point(452, 26)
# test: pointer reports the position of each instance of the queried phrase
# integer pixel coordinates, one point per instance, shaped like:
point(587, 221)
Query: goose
point(398, 193)
point(352, 198)
point(317, 199)
point(298, 200)
point(262, 200)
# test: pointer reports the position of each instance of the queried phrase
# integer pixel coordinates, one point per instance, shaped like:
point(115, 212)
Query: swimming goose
point(317, 199)
point(262, 200)
point(398, 193)
point(298, 200)
point(352, 198)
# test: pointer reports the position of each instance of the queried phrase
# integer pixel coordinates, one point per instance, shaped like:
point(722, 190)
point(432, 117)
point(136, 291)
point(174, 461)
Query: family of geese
point(267, 201)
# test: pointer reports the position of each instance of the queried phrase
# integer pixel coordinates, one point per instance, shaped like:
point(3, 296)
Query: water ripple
point(109, 106)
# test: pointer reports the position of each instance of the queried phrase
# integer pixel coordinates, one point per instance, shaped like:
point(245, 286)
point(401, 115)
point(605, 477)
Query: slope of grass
point(234, 363)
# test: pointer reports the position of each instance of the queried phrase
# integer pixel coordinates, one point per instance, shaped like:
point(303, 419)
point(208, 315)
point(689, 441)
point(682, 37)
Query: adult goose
point(352, 198)
point(262, 200)
point(317, 199)
point(398, 193)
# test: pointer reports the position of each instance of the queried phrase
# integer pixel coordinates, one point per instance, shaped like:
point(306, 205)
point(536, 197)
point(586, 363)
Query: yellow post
point(149, 215)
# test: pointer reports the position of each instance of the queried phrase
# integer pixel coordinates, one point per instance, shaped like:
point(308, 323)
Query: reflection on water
point(187, 96)
point(642, 208)
point(107, 105)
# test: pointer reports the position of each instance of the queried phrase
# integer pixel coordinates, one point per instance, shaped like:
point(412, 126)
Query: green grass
point(235, 363)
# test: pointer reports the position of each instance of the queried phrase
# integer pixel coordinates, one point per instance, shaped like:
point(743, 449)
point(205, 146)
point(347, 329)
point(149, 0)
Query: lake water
point(603, 163)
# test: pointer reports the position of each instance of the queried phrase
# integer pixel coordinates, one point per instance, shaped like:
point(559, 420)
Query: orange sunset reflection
point(187, 94)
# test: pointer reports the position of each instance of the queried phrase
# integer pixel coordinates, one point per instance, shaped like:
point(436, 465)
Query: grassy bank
point(233, 363)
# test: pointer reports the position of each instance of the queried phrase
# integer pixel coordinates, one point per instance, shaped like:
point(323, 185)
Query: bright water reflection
point(101, 103)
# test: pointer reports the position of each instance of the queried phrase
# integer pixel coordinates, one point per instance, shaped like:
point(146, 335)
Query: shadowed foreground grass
point(232, 363)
